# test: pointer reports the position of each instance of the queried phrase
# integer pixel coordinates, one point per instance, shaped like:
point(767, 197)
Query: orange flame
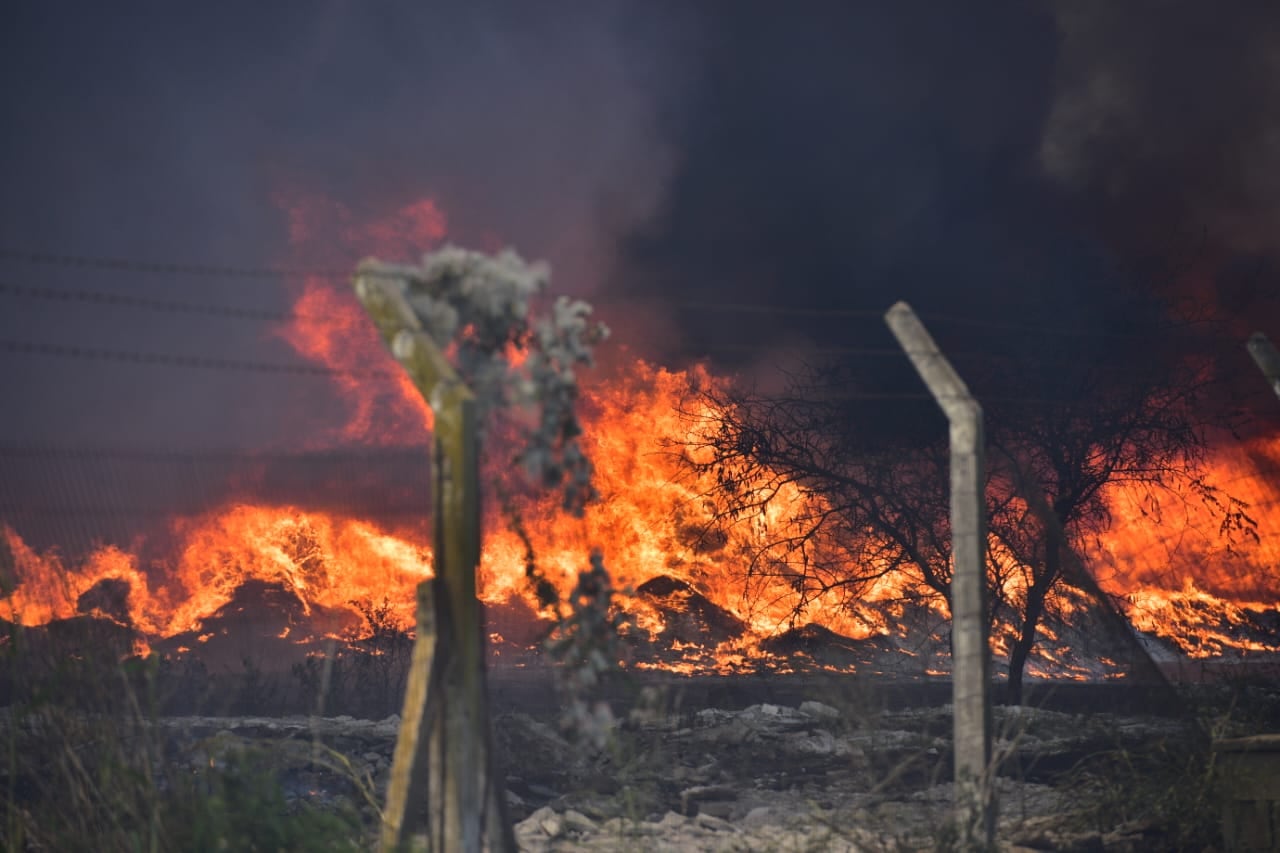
point(383, 411)
point(330, 328)
point(324, 560)
point(1183, 577)
point(653, 519)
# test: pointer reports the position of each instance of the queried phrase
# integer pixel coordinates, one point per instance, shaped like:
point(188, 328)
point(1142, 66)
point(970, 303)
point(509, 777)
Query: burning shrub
point(858, 514)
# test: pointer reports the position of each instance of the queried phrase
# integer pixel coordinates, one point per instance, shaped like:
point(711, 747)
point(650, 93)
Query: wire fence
point(342, 277)
point(75, 498)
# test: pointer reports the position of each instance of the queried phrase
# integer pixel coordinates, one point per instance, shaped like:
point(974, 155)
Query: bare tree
point(1138, 428)
point(875, 499)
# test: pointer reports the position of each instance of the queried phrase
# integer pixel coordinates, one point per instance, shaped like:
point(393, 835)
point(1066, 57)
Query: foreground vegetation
point(95, 758)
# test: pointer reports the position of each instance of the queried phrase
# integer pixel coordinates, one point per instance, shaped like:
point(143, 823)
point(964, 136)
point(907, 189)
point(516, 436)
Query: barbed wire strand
point(171, 306)
point(247, 455)
point(206, 363)
point(234, 271)
point(182, 361)
point(165, 268)
point(34, 347)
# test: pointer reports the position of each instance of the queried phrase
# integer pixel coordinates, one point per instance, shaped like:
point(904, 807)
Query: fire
point(1179, 580)
point(330, 329)
point(654, 520)
point(45, 589)
point(1184, 578)
point(325, 561)
point(383, 411)
point(651, 521)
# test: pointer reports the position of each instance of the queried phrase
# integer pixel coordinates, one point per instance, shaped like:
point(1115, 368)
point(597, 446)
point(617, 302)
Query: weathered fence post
point(970, 654)
point(442, 775)
point(1267, 358)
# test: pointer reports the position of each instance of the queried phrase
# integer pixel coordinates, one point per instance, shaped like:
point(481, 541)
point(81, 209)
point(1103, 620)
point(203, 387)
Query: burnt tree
point(1066, 453)
point(1063, 428)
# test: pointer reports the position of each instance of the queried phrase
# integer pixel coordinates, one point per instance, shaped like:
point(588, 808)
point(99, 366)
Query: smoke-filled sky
point(1019, 161)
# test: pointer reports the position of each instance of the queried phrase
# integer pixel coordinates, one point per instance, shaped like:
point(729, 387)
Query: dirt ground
point(833, 770)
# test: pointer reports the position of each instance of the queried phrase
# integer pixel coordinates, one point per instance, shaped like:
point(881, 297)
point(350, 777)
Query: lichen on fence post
point(441, 778)
point(476, 307)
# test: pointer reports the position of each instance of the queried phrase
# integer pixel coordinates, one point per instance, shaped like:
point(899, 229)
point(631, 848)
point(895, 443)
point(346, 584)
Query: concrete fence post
point(971, 656)
point(1267, 358)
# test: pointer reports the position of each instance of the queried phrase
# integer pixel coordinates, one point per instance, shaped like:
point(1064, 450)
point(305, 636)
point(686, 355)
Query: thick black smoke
point(157, 133)
point(1165, 135)
point(1052, 165)
point(855, 156)
point(1165, 123)
point(1031, 164)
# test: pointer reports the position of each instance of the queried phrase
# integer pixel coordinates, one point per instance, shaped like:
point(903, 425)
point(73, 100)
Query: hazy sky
point(1011, 159)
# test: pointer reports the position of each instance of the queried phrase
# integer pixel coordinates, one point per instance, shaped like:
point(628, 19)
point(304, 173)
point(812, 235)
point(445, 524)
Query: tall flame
point(329, 328)
point(324, 560)
point(1179, 579)
point(1184, 577)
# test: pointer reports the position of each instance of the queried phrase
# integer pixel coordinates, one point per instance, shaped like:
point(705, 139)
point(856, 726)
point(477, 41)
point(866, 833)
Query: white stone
point(552, 825)
point(818, 710)
point(759, 816)
point(708, 821)
point(533, 823)
point(576, 820)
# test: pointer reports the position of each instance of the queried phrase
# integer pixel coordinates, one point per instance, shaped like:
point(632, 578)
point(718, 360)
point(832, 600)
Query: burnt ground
point(749, 762)
point(795, 763)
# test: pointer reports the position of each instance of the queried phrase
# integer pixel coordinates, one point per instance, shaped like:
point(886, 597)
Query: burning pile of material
point(246, 569)
point(310, 568)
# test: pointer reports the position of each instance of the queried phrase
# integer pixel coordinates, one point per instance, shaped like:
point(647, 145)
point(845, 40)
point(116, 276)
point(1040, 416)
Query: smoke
point(166, 134)
point(852, 157)
point(1045, 165)
point(1165, 121)
point(78, 501)
point(1008, 161)
point(1164, 132)
point(531, 126)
